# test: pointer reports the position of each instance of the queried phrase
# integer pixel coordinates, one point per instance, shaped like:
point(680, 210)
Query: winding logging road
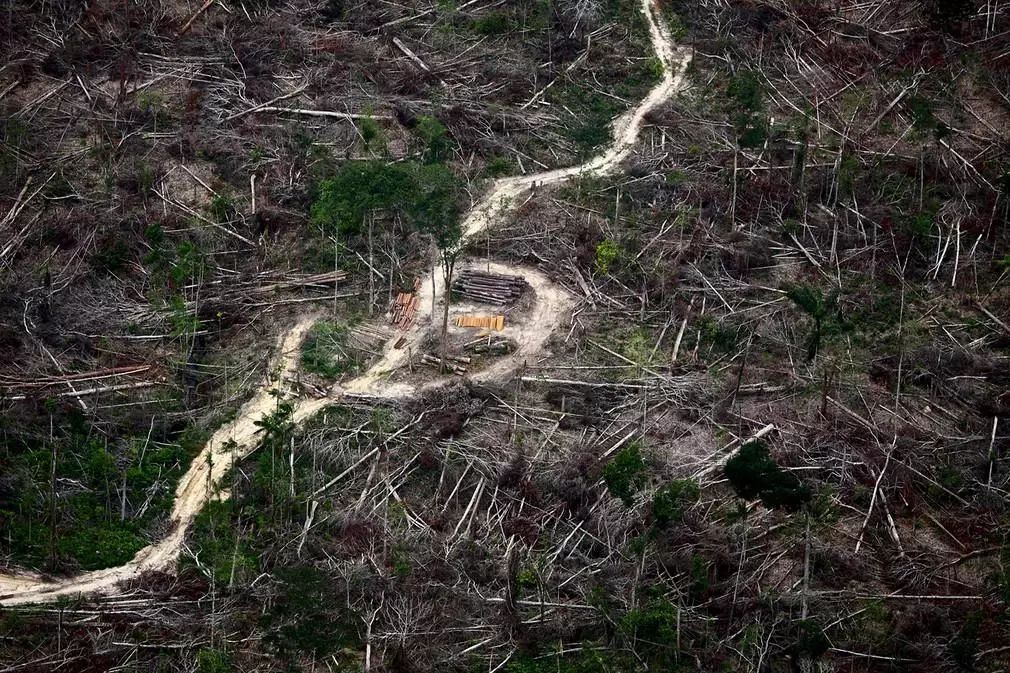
point(236, 439)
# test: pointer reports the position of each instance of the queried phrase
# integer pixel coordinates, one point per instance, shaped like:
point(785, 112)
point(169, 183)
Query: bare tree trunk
point(371, 268)
point(806, 566)
point(447, 268)
point(336, 263)
point(52, 503)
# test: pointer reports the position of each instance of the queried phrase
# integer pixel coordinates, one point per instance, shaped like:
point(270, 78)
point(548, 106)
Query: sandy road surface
point(236, 439)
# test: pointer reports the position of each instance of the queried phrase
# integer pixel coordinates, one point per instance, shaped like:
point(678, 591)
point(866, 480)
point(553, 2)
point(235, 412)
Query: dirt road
point(236, 439)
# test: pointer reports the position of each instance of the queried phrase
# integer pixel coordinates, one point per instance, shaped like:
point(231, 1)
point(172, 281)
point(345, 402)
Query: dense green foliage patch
point(107, 494)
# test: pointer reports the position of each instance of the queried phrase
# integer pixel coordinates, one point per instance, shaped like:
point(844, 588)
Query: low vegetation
point(769, 435)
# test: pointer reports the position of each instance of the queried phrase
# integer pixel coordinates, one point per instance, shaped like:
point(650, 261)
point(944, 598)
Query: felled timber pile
point(404, 307)
point(236, 288)
point(455, 364)
point(302, 280)
point(494, 288)
point(495, 322)
point(367, 338)
point(489, 345)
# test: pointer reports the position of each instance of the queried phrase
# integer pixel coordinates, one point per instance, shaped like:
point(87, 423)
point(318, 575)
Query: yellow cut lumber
point(487, 322)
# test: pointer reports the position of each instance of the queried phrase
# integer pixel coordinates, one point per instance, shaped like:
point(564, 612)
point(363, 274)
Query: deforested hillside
point(592, 336)
point(158, 166)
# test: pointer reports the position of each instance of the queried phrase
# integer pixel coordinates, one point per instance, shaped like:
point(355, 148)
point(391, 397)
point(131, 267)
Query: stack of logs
point(489, 345)
point(494, 288)
point(291, 281)
point(454, 363)
point(367, 338)
point(404, 307)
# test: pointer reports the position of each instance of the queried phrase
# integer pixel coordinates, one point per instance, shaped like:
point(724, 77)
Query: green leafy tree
point(347, 203)
point(357, 190)
point(428, 195)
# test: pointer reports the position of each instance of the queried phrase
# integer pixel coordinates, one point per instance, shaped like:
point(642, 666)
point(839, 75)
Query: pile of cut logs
point(489, 345)
point(301, 280)
point(454, 363)
point(367, 338)
point(404, 307)
point(494, 288)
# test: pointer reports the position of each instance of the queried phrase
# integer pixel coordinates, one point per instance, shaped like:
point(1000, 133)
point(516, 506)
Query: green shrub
point(88, 529)
point(306, 617)
point(214, 539)
point(653, 629)
point(753, 474)
point(848, 171)
point(325, 350)
point(100, 546)
point(820, 307)
point(746, 91)
point(625, 473)
point(183, 322)
point(111, 257)
point(646, 73)
point(676, 25)
point(591, 128)
point(918, 224)
point(670, 502)
point(700, 582)
point(189, 263)
point(145, 179)
point(492, 23)
point(498, 166)
point(963, 647)
point(723, 338)
point(212, 661)
point(222, 209)
point(811, 643)
point(607, 252)
point(587, 661)
point(371, 131)
point(746, 95)
point(636, 344)
point(434, 139)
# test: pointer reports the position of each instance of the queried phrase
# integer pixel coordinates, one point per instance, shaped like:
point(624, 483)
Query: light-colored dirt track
point(238, 438)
